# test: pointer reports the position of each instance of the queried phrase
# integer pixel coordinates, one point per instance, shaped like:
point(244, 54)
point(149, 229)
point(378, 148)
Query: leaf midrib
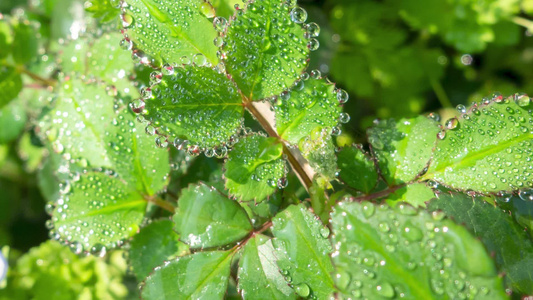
point(163, 18)
point(211, 274)
point(486, 151)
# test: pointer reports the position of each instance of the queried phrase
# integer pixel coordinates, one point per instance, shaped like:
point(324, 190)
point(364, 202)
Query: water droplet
point(302, 290)
point(522, 100)
point(282, 183)
point(127, 20)
point(313, 30)
point(526, 194)
point(344, 118)
point(207, 10)
point(385, 289)
point(199, 60)
point(434, 116)
point(324, 232)
point(342, 96)
point(313, 44)
point(441, 134)
point(451, 123)
point(298, 15)
point(461, 108)
point(220, 24)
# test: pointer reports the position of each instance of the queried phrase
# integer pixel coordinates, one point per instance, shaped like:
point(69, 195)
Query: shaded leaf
point(498, 231)
point(255, 45)
point(25, 42)
point(10, 85)
point(259, 276)
point(206, 218)
point(169, 30)
point(384, 253)
point(197, 105)
point(303, 250)
point(254, 167)
point(206, 277)
point(12, 121)
point(311, 105)
point(487, 149)
point(153, 245)
point(357, 170)
point(403, 149)
point(96, 212)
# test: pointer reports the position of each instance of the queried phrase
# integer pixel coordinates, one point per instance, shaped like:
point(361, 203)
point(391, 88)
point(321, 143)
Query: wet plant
point(203, 146)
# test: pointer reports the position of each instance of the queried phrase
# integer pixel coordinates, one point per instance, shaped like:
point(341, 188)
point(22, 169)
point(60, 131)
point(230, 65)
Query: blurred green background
point(395, 58)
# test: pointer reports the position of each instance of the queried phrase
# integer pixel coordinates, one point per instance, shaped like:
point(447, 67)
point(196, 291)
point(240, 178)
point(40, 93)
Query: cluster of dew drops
point(298, 15)
point(520, 99)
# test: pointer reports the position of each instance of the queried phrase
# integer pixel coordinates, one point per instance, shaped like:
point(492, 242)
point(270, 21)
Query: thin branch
point(524, 22)
point(161, 203)
point(297, 164)
point(380, 194)
point(42, 80)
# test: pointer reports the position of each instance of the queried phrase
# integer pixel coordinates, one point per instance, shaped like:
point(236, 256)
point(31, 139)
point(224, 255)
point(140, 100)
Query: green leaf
point(10, 84)
point(25, 42)
point(101, 58)
point(357, 170)
point(498, 231)
point(319, 150)
point(12, 121)
point(266, 50)
point(259, 276)
point(103, 10)
point(6, 38)
point(169, 30)
point(76, 123)
point(97, 212)
point(403, 149)
point(206, 218)
point(204, 275)
point(303, 250)
point(147, 166)
point(153, 245)
point(416, 194)
point(196, 106)
point(254, 167)
point(487, 149)
point(386, 253)
point(310, 105)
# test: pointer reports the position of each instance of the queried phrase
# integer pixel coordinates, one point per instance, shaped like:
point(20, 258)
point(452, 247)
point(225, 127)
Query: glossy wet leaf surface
point(489, 148)
point(386, 253)
point(259, 276)
point(207, 277)
point(266, 50)
point(96, 212)
point(403, 149)
point(311, 104)
point(76, 123)
point(303, 249)
point(147, 166)
point(502, 236)
point(100, 57)
point(198, 105)
point(254, 167)
point(357, 170)
point(169, 30)
point(319, 150)
point(206, 218)
point(153, 245)
point(10, 84)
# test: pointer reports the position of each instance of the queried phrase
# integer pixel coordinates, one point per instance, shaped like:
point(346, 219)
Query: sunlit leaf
point(487, 149)
point(303, 249)
point(403, 149)
point(195, 105)
point(259, 276)
point(311, 105)
point(386, 253)
point(416, 194)
point(206, 218)
point(206, 277)
point(96, 212)
point(265, 48)
point(169, 30)
point(12, 121)
point(254, 167)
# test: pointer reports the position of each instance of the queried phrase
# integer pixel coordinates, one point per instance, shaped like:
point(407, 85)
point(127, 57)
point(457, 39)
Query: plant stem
point(44, 81)
point(161, 203)
point(440, 93)
point(524, 22)
point(380, 194)
point(295, 163)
